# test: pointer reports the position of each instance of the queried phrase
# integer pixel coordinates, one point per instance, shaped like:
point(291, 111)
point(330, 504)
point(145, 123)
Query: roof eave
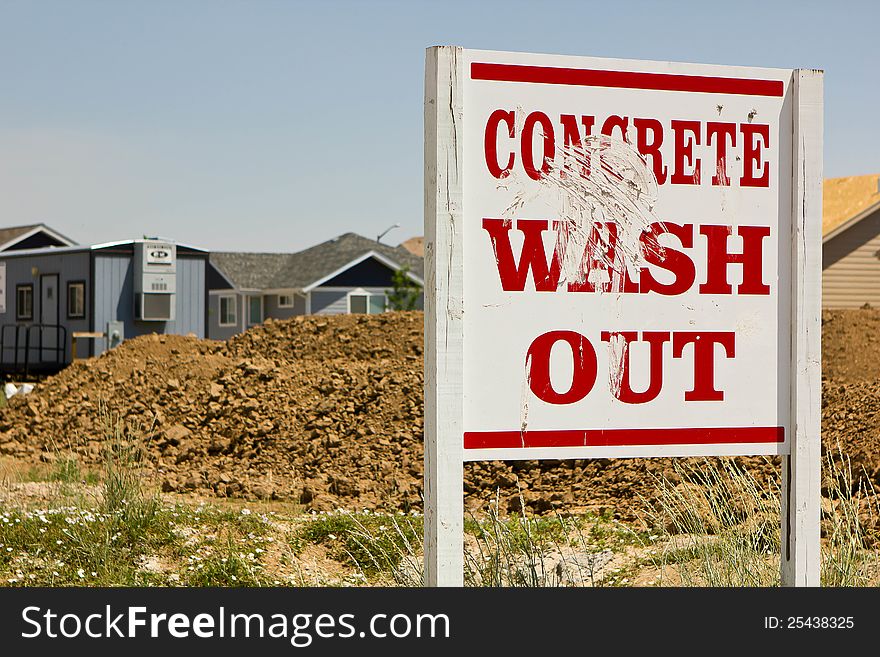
point(849, 223)
point(38, 228)
point(388, 262)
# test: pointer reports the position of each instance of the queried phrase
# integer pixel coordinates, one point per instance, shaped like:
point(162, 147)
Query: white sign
point(2, 287)
point(623, 281)
point(159, 254)
point(622, 258)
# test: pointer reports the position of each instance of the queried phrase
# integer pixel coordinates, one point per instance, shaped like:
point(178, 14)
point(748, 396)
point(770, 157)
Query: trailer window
point(76, 300)
point(24, 301)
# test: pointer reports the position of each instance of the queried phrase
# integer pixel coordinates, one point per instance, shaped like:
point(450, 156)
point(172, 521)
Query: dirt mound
point(851, 387)
point(851, 344)
point(328, 411)
point(290, 409)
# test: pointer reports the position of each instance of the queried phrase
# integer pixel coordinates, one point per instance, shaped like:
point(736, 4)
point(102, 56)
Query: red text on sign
point(678, 151)
point(702, 346)
point(602, 254)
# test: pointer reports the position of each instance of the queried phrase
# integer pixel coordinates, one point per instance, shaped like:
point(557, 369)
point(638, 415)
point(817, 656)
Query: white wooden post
point(444, 449)
point(801, 470)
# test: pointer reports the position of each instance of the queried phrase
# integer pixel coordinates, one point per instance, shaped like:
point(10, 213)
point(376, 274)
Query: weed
point(371, 543)
point(850, 557)
point(720, 526)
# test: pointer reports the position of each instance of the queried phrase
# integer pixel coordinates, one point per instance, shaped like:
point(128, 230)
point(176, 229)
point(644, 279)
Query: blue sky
point(271, 126)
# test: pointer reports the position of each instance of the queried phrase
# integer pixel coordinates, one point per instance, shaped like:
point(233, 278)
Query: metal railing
point(22, 344)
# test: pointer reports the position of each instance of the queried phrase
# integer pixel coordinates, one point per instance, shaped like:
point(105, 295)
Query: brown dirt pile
point(328, 411)
point(851, 387)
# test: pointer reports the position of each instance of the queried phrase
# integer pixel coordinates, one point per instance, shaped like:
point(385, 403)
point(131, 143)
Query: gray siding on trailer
point(851, 267)
point(273, 310)
point(114, 297)
point(328, 302)
point(26, 270)
point(189, 316)
point(215, 331)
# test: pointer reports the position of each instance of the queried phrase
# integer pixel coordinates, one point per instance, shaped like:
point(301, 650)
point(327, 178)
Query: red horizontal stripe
point(625, 79)
point(622, 437)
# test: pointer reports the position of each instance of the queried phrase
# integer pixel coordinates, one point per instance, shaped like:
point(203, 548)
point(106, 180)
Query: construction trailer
point(58, 301)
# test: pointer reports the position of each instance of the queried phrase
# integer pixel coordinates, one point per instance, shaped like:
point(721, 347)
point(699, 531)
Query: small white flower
point(80, 573)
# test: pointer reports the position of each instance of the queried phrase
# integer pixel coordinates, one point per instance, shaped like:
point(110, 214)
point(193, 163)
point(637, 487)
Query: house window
point(228, 311)
point(24, 301)
point(76, 300)
point(285, 301)
point(255, 310)
point(366, 303)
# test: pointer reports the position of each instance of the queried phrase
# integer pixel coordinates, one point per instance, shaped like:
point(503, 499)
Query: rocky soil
point(327, 411)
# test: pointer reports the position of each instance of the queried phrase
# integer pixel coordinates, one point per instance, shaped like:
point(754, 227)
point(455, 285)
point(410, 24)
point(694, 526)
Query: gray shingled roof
point(274, 271)
point(250, 271)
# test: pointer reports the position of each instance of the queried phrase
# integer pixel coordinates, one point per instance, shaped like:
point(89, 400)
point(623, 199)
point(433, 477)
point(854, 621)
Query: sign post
point(801, 468)
point(622, 260)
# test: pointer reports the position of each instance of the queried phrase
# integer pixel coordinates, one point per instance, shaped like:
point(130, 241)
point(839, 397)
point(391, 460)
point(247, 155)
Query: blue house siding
point(272, 309)
point(335, 302)
point(329, 302)
point(215, 331)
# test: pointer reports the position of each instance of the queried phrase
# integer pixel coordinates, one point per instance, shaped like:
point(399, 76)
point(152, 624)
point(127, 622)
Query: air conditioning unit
point(154, 307)
point(155, 280)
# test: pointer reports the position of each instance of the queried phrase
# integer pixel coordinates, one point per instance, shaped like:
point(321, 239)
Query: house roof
point(279, 271)
point(846, 201)
point(415, 245)
point(249, 271)
point(11, 235)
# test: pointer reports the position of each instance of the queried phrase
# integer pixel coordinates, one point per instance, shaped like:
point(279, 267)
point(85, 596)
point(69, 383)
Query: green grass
point(517, 550)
